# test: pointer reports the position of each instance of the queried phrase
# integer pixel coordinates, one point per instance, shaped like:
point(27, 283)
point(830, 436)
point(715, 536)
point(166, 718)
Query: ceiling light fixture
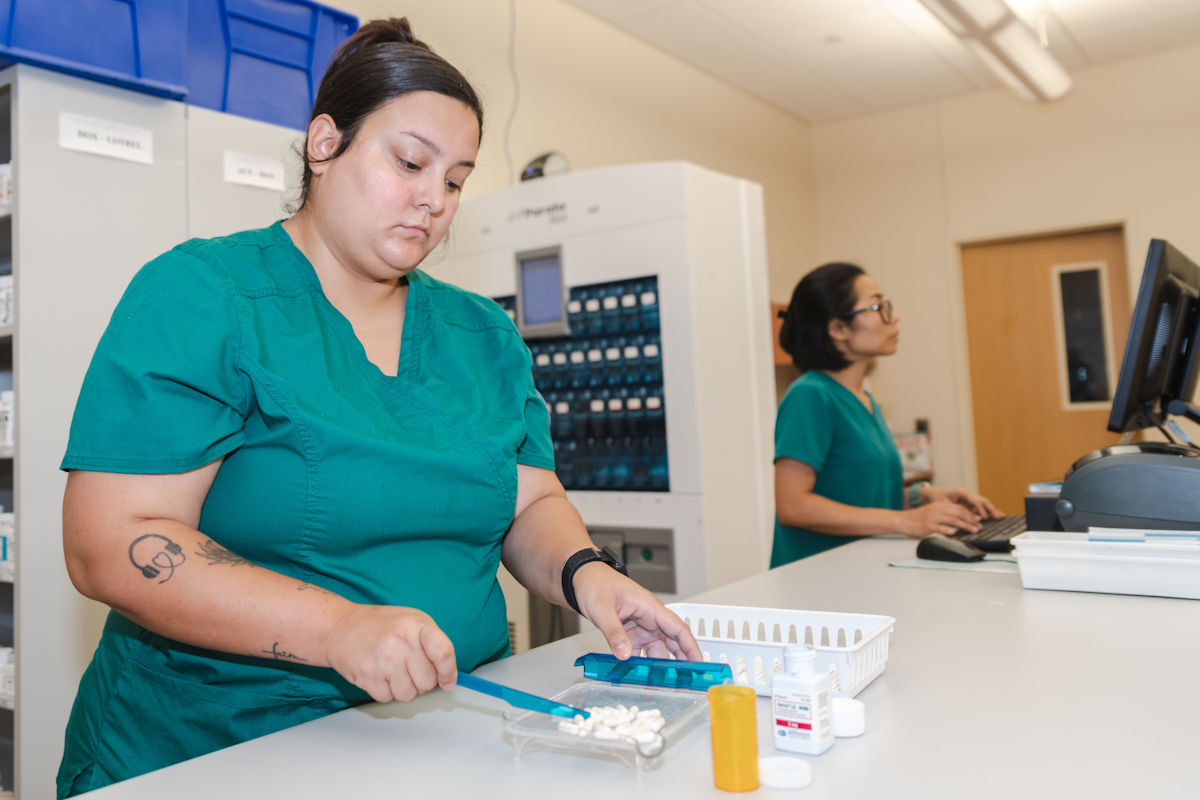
point(1006, 45)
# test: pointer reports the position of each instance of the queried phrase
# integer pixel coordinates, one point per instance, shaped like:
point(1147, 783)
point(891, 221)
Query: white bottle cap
point(781, 772)
point(799, 659)
point(849, 717)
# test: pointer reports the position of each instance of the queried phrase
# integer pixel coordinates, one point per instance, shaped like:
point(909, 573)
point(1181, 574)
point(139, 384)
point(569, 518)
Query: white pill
point(579, 719)
point(646, 737)
point(633, 710)
point(656, 724)
point(622, 709)
point(652, 748)
point(653, 712)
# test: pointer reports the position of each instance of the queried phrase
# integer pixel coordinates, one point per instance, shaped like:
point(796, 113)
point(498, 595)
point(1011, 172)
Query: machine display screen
point(541, 291)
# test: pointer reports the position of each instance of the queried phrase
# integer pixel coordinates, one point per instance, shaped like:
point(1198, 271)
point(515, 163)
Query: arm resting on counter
point(546, 531)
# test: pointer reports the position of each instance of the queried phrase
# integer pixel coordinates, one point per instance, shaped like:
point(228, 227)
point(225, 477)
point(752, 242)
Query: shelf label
point(104, 137)
point(248, 170)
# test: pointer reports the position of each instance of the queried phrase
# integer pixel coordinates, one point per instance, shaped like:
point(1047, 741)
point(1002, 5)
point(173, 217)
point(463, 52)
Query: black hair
point(823, 295)
point(380, 62)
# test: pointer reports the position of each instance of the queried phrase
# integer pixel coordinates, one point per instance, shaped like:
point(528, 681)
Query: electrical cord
point(1162, 429)
point(516, 102)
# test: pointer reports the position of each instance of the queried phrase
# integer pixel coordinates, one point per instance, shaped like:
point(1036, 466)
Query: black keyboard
point(994, 534)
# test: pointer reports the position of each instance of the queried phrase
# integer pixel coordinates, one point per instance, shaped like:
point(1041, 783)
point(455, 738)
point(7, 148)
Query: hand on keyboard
point(980, 505)
point(940, 516)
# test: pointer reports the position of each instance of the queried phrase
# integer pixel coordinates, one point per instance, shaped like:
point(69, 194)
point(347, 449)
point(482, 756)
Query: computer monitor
point(1159, 369)
point(541, 293)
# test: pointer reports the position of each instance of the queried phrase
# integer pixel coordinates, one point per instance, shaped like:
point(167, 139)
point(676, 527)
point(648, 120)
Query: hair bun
point(384, 31)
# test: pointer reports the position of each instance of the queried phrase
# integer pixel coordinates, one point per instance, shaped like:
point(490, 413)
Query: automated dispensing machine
point(642, 294)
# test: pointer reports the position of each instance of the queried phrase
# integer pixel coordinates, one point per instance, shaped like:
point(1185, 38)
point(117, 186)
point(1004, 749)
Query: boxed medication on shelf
point(8, 680)
point(6, 299)
point(6, 185)
point(8, 548)
point(7, 419)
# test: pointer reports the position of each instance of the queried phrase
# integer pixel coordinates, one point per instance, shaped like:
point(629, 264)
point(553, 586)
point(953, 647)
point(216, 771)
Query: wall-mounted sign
point(104, 137)
point(249, 170)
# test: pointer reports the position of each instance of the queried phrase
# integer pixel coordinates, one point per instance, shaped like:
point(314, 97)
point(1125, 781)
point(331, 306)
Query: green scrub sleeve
point(163, 393)
point(537, 450)
point(804, 427)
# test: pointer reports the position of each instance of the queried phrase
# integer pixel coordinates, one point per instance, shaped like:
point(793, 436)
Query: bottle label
point(802, 716)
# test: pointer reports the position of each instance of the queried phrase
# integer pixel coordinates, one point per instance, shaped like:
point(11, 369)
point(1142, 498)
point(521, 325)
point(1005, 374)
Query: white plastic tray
point(852, 647)
point(1069, 562)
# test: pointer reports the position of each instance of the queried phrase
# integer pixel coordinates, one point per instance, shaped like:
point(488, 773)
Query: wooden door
point(1031, 420)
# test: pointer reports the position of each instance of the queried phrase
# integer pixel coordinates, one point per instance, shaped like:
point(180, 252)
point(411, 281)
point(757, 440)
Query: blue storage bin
point(137, 44)
point(261, 58)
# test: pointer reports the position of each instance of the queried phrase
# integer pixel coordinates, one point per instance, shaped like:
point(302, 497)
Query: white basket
point(852, 647)
point(1070, 562)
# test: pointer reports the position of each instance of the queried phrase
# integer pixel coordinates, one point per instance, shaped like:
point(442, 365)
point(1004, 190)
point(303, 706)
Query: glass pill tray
point(683, 711)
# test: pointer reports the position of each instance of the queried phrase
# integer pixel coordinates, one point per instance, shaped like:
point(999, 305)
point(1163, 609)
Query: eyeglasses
point(885, 308)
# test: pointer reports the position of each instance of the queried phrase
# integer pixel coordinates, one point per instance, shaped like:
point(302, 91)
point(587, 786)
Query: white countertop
point(990, 691)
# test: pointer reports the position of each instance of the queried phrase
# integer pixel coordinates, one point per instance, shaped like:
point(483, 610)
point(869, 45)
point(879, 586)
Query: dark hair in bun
point(823, 295)
point(380, 62)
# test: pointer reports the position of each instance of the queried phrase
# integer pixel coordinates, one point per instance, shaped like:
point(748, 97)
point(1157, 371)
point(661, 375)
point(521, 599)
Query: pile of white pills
point(611, 724)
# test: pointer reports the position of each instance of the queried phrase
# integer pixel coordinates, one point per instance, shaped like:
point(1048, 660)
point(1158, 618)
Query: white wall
point(603, 98)
point(898, 192)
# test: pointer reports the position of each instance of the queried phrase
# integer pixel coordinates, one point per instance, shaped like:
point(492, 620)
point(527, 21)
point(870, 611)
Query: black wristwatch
point(587, 556)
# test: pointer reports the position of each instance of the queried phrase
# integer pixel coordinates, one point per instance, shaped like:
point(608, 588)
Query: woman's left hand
point(977, 503)
point(630, 617)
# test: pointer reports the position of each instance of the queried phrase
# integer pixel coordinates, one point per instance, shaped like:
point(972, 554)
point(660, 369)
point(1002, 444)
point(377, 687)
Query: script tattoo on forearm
point(304, 587)
point(219, 555)
point(166, 557)
point(282, 655)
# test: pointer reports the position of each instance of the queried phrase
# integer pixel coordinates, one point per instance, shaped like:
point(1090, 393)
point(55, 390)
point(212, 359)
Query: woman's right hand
point(940, 516)
point(390, 652)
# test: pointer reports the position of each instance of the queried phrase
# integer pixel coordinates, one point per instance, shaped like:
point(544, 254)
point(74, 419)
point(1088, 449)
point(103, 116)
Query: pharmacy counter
point(990, 691)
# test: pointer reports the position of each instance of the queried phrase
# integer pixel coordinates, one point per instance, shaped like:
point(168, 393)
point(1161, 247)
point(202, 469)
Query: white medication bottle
point(802, 704)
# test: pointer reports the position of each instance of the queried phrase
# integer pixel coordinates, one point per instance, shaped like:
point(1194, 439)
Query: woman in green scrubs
point(297, 460)
point(837, 471)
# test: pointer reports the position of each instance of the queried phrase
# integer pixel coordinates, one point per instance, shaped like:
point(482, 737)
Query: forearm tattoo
point(156, 557)
point(219, 555)
point(282, 655)
point(304, 587)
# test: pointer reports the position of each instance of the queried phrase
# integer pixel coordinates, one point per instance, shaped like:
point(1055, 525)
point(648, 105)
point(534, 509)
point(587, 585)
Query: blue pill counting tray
point(663, 673)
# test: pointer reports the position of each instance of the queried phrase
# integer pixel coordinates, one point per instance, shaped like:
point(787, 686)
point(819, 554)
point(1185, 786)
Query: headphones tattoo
point(164, 559)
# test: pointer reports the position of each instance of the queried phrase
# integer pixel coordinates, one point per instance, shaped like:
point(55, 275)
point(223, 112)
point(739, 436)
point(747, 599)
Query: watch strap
point(587, 556)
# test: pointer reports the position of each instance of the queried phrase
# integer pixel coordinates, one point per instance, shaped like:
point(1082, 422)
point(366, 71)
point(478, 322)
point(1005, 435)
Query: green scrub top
point(822, 423)
point(390, 491)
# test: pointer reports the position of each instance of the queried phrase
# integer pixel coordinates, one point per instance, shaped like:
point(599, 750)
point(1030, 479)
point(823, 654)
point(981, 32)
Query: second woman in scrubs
point(298, 460)
point(837, 471)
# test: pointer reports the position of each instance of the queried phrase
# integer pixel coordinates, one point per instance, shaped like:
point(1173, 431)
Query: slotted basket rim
point(883, 621)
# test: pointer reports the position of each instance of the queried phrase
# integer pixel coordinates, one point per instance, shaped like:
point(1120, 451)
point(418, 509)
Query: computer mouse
point(943, 548)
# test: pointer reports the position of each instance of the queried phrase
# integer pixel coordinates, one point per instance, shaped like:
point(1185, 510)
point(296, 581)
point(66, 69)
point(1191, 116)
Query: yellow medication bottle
point(734, 738)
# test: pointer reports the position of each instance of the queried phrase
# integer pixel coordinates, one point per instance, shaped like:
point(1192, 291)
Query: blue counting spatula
point(517, 698)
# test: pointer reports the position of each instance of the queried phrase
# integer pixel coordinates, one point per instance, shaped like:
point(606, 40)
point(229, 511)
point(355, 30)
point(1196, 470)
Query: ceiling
point(824, 60)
